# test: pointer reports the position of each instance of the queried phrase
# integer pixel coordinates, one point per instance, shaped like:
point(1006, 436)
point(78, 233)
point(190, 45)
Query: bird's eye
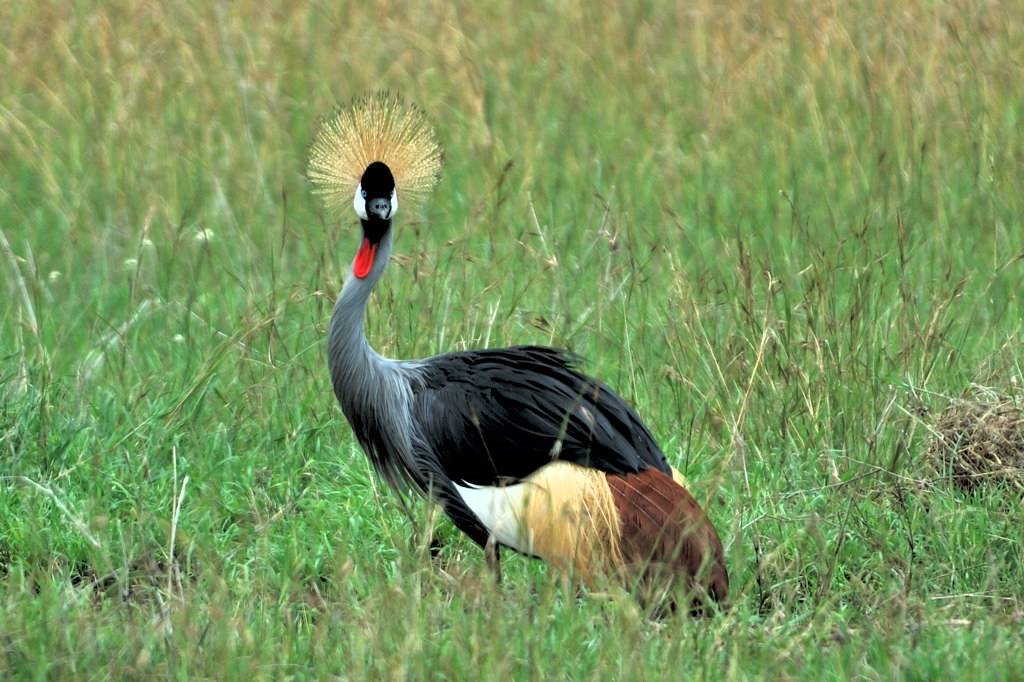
point(363, 193)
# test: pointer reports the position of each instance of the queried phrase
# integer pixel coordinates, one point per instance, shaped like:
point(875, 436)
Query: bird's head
point(375, 202)
point(376, 199)
point(378, 146)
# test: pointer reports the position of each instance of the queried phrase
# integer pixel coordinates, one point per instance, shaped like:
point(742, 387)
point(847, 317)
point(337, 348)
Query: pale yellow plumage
point(569, 520)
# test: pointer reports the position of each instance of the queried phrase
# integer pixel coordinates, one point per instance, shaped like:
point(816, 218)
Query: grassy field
point(789, 233)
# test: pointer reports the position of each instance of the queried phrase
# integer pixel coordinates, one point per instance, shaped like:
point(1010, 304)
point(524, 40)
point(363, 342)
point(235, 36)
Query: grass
point(789, 233)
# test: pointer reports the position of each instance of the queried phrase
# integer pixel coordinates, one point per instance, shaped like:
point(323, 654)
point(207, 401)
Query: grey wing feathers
point(495, 416)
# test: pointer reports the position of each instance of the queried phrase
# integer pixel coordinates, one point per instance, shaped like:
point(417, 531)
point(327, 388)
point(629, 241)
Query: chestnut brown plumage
point(664, 533)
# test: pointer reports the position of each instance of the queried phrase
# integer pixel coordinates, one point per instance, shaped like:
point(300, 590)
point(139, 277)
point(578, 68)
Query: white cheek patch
point(359, 202)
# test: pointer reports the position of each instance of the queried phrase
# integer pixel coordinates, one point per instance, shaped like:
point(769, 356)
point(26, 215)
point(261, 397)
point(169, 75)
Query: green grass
point(789, 233)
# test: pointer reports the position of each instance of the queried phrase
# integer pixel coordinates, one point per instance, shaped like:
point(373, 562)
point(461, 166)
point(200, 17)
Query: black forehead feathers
point(377, 180)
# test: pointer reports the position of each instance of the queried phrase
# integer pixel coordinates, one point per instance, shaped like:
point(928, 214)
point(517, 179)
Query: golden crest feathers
point(378, 127)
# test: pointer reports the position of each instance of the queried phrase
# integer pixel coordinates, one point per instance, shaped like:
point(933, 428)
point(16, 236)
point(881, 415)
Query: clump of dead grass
point(979, 443)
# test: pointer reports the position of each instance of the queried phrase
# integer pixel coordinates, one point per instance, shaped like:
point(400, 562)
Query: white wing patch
point(563, 513)
point(501, 509)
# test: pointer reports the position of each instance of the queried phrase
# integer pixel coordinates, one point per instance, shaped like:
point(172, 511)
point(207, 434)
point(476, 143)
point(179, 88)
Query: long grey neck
point(375, 393)
point(351, 360)
point(347, 345)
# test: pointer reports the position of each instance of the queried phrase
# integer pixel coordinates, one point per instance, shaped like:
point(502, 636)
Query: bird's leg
point(435, 547)
point(493, 559)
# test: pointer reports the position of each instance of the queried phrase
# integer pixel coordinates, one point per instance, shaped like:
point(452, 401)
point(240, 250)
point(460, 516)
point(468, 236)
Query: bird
point(519, 447)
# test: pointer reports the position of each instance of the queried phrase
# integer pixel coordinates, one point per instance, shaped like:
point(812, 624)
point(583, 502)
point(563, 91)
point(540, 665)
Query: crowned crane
point(519, 448)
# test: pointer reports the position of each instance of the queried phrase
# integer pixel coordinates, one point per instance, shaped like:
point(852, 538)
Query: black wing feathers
point(490, 417)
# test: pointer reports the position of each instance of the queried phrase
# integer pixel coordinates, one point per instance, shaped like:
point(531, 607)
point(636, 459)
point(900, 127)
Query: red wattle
point(364, 259)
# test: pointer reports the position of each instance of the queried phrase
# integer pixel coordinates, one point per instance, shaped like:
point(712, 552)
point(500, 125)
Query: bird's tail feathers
point(668, 542)
point(643, 528)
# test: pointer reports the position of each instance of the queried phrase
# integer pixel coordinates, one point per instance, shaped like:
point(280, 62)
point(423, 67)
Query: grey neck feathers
point(374, 392)
point(347, 348)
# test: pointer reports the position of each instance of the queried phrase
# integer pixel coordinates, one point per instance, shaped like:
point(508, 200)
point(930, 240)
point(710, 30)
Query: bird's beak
point(379, 208)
